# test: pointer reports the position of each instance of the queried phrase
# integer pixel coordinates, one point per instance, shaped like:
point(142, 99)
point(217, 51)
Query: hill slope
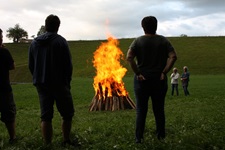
point(203, 55)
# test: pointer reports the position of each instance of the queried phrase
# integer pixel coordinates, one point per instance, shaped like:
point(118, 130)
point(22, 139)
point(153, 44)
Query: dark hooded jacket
point(50, 60)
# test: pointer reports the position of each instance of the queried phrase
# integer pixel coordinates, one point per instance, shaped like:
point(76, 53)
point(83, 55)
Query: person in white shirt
point(174, 81)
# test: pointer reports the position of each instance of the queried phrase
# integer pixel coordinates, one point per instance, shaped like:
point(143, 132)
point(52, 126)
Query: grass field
point(195, 122)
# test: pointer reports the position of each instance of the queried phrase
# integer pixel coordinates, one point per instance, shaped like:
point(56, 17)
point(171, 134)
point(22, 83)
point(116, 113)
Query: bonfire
point(110, 92)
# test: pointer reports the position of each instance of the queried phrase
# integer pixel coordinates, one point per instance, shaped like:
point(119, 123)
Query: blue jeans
point(156, 89)
point(175, 87)
point(186, 92)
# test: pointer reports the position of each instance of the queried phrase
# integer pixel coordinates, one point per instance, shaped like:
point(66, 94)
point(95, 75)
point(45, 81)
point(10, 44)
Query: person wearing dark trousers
point(7, 104)
point(50, 64)
point(151, 57)
point(185, 80)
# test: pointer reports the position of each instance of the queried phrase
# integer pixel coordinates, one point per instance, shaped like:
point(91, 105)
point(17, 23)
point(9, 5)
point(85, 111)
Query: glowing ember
point(110, 93)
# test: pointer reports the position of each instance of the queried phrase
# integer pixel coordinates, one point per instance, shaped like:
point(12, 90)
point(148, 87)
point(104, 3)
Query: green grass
point(195, 122)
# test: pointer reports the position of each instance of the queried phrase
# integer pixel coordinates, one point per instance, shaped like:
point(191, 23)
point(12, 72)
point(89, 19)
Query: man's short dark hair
point(52, 23)
point(149, 24)
point(0, 30)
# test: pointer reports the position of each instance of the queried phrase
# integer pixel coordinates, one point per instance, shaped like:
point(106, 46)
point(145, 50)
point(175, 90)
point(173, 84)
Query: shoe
point(74, 143)
point(13, 141)
point(161, 137)
point(138, 141)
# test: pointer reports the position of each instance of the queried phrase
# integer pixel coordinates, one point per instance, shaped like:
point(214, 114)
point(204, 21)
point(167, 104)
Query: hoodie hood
point(46, 38)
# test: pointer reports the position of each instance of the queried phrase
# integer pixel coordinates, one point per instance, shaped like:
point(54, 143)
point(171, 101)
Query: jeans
point(175, 86)
point(186, 92)
point(156, 89)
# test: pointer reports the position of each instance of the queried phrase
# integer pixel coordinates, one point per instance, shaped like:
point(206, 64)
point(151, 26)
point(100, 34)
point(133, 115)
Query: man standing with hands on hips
point(155, 56)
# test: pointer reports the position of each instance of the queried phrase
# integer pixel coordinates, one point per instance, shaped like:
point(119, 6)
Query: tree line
point(17, 33)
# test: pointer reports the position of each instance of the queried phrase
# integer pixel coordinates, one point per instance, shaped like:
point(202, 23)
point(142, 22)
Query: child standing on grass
point(174, 81)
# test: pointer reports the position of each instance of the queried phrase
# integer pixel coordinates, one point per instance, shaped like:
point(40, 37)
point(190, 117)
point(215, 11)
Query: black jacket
point(50, 60)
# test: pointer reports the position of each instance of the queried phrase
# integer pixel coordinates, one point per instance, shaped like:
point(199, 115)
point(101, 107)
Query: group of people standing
point(151, 57)
point(184, 81)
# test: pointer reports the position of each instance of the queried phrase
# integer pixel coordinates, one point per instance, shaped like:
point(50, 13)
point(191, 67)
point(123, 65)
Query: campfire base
point(111, 103)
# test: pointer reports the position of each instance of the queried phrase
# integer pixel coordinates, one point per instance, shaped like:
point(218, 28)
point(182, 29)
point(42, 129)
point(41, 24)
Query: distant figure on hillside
point(7, 104)
point(174, 81)
point(50, 63)
point(155, 57)
point(185, 80)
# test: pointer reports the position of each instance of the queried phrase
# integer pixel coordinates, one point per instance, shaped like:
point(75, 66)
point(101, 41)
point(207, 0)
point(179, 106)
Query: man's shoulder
point(4, 50)
point(162, 38)
point(59, 37)
point(156, 36)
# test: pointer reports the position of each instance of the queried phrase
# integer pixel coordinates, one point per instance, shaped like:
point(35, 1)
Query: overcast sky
point(92, 19)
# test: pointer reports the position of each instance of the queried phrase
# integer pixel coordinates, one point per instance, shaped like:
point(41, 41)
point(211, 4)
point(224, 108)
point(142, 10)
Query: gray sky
point(92, 19)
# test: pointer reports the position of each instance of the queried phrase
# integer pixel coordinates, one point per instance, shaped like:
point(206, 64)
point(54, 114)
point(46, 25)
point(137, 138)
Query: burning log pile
point(110, 93)
point(114, 102)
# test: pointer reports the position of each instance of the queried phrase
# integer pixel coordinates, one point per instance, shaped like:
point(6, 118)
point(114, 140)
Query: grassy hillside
point(203, 55)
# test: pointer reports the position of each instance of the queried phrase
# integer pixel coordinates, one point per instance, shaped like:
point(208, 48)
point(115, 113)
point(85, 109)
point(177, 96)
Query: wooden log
point(121, 103)
point(99, 103)
point(106, 103)
point(131, 102)
point(96, 104)
point(110, 103)
point(118, 103)
point(92, 104)
point(126, 103)
point(113, 103)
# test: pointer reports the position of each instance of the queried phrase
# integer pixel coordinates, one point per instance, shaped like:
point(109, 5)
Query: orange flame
point(109, 72)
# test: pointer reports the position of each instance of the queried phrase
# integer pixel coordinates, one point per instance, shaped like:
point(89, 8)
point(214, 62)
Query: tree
point(183, 35)
point(16, 33)
point(41, 30)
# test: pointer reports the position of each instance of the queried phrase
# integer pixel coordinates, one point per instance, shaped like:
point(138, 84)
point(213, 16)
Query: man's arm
point(12, 66)
point(30, 60)
point(11, 61)
point(130, 58)
point(170, 62)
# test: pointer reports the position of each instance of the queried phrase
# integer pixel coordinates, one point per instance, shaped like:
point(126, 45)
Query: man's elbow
point(129, 59)
point(12, 67)
point(174, 57)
